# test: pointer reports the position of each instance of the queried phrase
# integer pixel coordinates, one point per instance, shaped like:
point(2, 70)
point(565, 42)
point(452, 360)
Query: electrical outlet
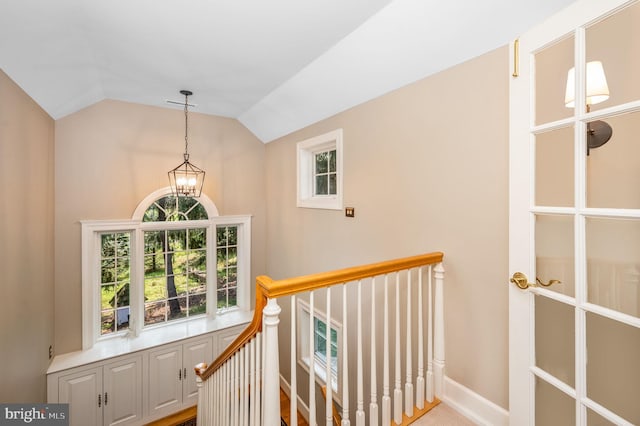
point(350, 211)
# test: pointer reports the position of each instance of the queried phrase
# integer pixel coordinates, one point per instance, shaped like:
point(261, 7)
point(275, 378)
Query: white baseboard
point(302, 407)
point(473, 406)
point(468, 403)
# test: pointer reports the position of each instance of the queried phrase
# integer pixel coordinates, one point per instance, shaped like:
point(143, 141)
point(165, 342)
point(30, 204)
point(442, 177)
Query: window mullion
point(137, 282)
point(212, 273)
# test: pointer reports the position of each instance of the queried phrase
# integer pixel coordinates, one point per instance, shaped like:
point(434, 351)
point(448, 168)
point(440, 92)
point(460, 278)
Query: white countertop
point(116, 346)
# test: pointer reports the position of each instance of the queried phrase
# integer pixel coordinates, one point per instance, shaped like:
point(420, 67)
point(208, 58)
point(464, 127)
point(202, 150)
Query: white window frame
point(304, 316)
point(306, 151)
point(91, 300)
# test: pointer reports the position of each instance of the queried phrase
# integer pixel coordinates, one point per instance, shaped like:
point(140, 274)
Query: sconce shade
point(186, 180)
point(597, 88)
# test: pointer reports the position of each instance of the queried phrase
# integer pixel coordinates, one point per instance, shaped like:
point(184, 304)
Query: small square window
point(320, 171)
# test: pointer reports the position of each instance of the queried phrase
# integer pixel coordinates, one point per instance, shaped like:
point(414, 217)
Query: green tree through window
point(175, 262)
point(175, 259)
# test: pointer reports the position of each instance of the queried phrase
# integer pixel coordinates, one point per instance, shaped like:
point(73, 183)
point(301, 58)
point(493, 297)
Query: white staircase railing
point(242, 387)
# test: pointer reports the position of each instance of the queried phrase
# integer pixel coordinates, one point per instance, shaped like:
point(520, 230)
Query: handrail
point(289, 286)
point(247, 334)
point(268, 288)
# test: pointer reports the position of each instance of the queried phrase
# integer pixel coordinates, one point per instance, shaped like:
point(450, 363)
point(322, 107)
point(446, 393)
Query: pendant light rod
point(186, 94)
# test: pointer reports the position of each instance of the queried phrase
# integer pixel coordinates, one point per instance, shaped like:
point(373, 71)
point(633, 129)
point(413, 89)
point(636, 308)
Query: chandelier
point(186, 180)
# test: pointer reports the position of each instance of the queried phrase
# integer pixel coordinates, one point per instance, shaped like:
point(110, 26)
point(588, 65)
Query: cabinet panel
point(83, 392)
point(194, 353)
point(123, 392)
point(224, 338)
point(165, 379)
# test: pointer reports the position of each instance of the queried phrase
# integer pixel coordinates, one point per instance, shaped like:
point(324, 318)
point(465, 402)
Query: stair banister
point(262, 333)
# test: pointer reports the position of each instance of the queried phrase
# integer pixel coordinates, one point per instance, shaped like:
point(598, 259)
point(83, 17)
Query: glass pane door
point(585, 217)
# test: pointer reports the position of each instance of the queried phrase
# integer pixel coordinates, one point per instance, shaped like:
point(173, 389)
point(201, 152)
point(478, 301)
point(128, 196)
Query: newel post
point(438, 349)
point(271, 385)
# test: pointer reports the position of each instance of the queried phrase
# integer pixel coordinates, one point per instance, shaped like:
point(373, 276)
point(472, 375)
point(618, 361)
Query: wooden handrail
point(289, 286)
point(245, 337)
point(268, 288)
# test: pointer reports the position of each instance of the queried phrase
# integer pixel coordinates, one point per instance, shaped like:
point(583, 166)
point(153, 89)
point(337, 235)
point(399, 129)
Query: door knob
point(523, 283)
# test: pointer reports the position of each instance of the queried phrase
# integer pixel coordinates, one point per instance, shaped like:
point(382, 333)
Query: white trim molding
point(90, 249)
point(306, 149)
point(473, 406)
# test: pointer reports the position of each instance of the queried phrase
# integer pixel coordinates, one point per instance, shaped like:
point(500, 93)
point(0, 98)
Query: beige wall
point(111, 155)
point(426, 168)
point(26, 244)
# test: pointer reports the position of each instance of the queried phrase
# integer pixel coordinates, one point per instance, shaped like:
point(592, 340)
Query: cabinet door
point(122, 399)
point(225, 337)
point(83, 392)
point(165, 379)
point(194, 353)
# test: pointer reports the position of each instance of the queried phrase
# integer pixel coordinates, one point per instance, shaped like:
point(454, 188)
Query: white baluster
point(360, 378)
point(438, 357)
point(225, 399)
point(252, 382)
point(216, 397)
point(235, 388)
point(259, 364)
point(241, 386)
point(397, 391)
point(345, 359)
point(408, 386)
point(312, 367)
point(386, 398)
point(293, 393)
point(373, 405)
point(420, 379)
point(329, 401)
point(430, 385)
point(202, 397)
point(220, 395)
point(230, 390)
point(271, 384)
point(247, 389)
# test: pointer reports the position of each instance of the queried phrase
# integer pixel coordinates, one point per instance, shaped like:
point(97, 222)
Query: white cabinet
point(108, 394)
point(194, 353)
point(134, 388)
point(171, 378)
point(83, 392)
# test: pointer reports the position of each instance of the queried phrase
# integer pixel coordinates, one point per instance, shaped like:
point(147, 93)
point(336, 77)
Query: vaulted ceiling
point(275, 65)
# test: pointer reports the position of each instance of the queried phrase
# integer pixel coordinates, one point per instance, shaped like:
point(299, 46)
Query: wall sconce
point(186, 180)
point(598, 132)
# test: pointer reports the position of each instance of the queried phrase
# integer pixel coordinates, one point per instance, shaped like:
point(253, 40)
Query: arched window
point(176, 260)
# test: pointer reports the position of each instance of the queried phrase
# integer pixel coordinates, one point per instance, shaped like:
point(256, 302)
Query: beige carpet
point(443, 415)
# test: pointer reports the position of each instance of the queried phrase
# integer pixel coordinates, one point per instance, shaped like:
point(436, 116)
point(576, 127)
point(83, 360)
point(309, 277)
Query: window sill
point(149, 338)
point(321, 377)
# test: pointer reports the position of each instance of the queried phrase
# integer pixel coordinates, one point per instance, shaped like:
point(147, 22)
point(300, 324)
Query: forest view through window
point(175, 249)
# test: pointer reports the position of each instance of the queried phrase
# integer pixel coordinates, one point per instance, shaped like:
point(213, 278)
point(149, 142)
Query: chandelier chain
point(186, 127)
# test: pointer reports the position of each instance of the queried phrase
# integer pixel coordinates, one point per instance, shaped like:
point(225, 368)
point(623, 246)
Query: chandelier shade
point(186, 180)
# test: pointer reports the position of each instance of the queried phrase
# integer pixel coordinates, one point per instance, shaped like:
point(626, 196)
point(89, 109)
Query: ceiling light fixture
point(186, 180)
point(598, 132)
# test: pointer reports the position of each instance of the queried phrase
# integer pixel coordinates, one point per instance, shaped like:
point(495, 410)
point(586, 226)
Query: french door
point(574, 231)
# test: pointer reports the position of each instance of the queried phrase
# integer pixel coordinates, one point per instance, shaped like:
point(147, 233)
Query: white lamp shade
point(597, 88)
